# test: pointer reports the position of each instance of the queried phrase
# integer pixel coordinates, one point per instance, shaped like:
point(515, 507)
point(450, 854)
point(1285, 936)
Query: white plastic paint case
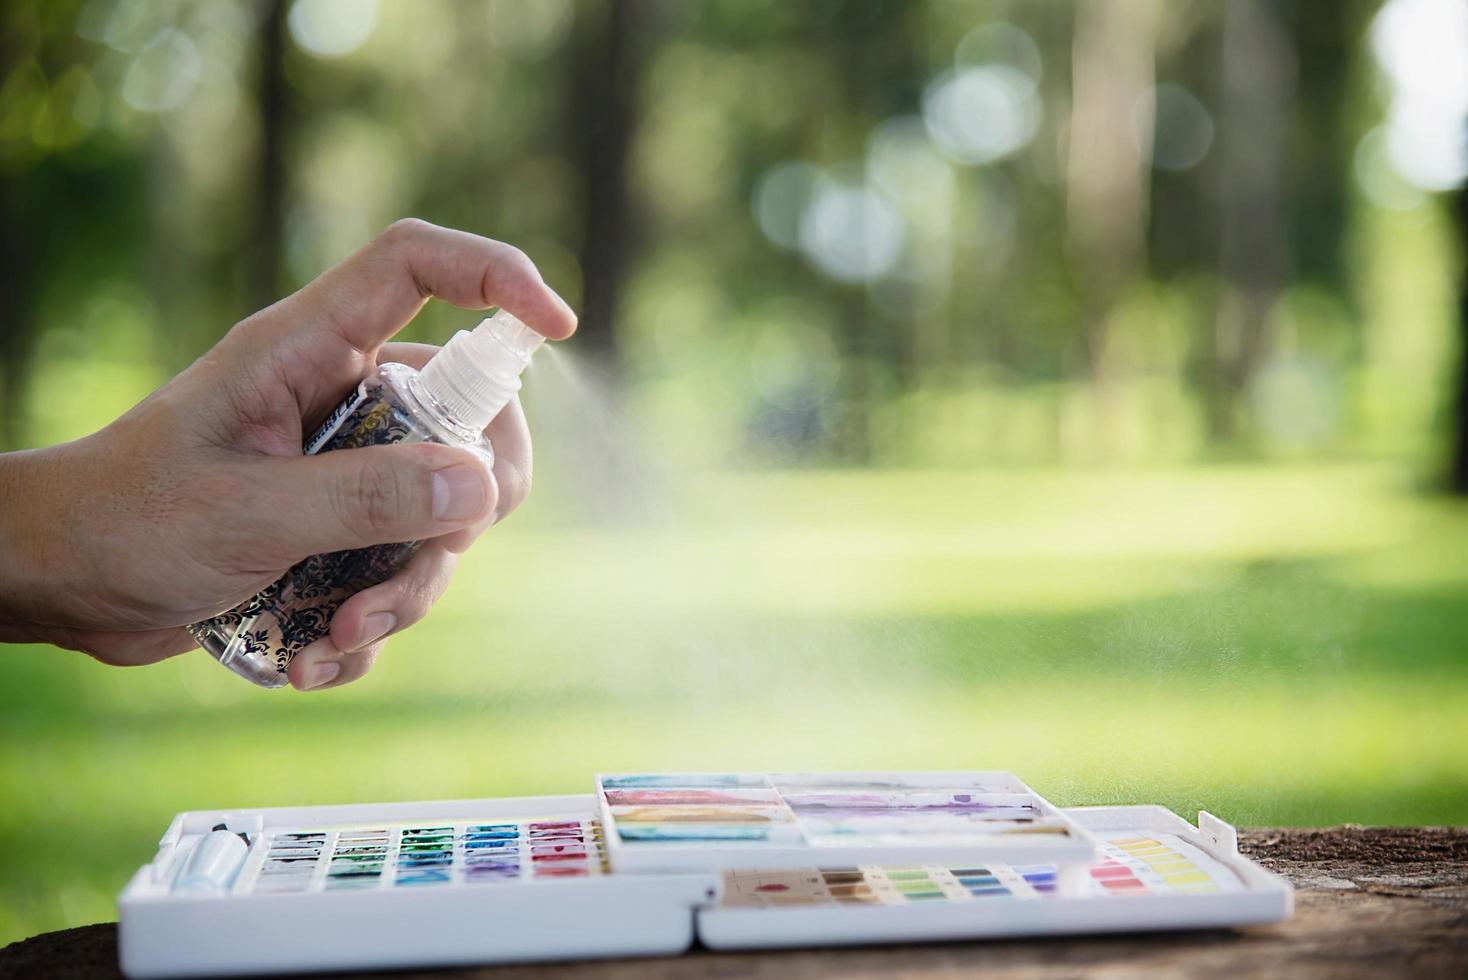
point(166, 934)
point(614, 915)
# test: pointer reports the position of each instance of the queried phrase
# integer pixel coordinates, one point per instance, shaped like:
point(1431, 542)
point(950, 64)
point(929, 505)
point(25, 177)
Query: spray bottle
point(450, 402)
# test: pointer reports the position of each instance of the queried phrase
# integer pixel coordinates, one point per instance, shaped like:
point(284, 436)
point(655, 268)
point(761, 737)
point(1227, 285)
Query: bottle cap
point(478, 372)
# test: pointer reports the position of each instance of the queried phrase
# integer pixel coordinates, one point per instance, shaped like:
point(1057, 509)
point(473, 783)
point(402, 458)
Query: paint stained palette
point(1154, 871)
point(1133, 865)
point(724, 821)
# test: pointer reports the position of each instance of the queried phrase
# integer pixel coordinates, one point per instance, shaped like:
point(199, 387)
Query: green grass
point(1279, 645)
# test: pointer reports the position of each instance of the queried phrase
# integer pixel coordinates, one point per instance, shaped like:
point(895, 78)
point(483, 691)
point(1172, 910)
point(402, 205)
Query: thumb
point(377, 494)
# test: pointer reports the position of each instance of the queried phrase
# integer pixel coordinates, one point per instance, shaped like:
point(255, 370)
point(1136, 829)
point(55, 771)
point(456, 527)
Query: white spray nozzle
point(477, 373)
point(519, 339)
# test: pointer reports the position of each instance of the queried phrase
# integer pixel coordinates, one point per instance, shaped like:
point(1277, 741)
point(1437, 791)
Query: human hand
point(200, 496)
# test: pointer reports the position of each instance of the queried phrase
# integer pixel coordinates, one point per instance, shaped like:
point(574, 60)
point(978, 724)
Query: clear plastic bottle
point(450, 401)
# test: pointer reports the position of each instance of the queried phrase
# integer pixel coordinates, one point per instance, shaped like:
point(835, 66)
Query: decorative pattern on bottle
point(296, 609)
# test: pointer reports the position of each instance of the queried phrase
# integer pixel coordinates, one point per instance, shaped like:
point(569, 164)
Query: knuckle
point(512, 276)
point(403, 230)
point(414, 603)
point(379, 499)
point(516, 488)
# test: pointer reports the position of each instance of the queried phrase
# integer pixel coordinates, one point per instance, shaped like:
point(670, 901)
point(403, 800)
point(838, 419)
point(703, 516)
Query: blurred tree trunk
point(1458, 476)
point(1254, 133)
point(14, 340)
point(606, 65)
point(1112, 64)
point(876, 50)
point(263, 284)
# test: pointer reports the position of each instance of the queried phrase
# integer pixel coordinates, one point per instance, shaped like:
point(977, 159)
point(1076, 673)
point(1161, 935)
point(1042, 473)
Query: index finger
point(369, 296)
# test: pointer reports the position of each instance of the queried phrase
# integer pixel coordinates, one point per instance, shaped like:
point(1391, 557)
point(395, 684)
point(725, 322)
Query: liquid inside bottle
point(450, 402)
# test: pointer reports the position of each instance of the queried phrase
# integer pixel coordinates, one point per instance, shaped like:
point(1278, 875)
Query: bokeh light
point(1171, 127)
point(332, 28)
point(1422, 45)
point(979, 115)
point(850, 231)
point(780, 200)
point(163, 73)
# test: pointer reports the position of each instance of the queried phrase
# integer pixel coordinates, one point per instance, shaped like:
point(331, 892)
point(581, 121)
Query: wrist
point(29, 588)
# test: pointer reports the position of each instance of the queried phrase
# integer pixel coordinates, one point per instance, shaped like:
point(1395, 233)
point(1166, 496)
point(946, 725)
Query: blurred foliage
point(960, 383)
point(832, 232)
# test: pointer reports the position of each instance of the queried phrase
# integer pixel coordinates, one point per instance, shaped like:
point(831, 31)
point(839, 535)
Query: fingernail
point(376, 626)
point(458, 493)
point(322, 673)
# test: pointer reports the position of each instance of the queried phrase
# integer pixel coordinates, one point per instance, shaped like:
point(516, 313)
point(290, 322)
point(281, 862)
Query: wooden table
point(1370, 902)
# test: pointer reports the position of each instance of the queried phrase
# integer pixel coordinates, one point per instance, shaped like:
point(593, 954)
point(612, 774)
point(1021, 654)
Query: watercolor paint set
point(654, 863)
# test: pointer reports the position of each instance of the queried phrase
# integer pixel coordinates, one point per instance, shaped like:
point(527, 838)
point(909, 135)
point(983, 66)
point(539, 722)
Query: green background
point(1145, 502)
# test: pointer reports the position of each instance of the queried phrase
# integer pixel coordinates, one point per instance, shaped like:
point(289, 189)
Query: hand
point(199, 496)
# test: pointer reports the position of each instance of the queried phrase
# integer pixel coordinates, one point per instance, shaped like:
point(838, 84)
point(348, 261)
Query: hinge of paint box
point(1220, 832)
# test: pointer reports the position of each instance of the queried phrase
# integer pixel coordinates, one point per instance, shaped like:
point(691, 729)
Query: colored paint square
point(1186, 878)
point(356, 873)
point(491, 874)
point(925, 896)
point(843, 877)
point(487, 866)
point(967, 872)
point(907, 875)
point(424, 878)
point(909, 887)
point(989, 892)
point(407, 831)
point(494, 828)
point(491, 845)
point(1172, 867)
point(1040, 876)
point(849, 891)
point(547, 858)
point(560, 871)
point(1113, 871)
point(971, 881)
point(1123, 884)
